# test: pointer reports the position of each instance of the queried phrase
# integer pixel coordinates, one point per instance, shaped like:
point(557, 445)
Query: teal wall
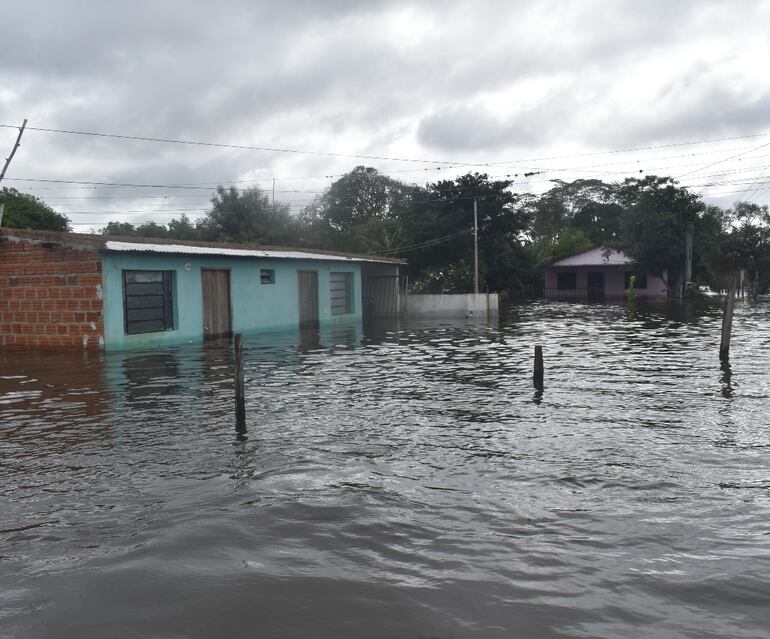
point(256, 307)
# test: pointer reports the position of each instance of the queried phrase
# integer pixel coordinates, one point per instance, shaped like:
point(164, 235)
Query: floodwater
point(397, 482)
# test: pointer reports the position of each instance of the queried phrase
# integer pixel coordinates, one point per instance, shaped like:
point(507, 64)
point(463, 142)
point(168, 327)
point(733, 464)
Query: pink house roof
point(595, 257)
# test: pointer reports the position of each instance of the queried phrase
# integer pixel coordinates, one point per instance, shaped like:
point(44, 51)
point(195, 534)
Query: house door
point(216, 303)
point(596, 286)
point(308, 299)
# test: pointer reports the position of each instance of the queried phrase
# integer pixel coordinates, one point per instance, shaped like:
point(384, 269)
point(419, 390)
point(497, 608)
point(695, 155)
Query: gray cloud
point(485, 82)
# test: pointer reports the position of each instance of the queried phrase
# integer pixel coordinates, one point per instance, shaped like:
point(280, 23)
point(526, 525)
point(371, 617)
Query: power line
point(732, 157)
point(249, 147)
point(241, 147)
point(426, 244)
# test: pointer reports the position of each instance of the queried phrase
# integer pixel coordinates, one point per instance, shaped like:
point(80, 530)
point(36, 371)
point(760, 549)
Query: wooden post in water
point(727, 323)
point(537, 375)
point(240, 400)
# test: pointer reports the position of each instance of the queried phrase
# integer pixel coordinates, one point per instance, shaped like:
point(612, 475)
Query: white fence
point(457, 305)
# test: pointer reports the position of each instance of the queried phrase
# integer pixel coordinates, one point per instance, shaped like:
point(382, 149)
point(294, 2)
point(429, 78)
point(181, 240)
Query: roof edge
point(99, 242)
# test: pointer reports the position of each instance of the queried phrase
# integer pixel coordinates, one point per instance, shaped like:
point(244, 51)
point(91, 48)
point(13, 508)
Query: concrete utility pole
point(2, 210)
point(273, 192)
point(688, 258)
point(13, 150)
point(475, 245)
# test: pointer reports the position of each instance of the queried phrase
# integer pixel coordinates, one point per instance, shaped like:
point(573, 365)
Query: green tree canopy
point(359, 212)
point(656, 216)
point(247, 216)
point(24, 211)
point(438, 229)
point(746, 241)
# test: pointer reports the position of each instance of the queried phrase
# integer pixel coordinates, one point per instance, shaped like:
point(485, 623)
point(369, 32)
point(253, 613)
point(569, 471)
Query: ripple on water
point(396, 481)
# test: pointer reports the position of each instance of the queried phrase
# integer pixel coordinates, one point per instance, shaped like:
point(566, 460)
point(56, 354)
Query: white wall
point(460, 305)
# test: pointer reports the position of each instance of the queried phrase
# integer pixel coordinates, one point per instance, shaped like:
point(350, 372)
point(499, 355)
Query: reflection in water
point(727, 378)
point(309, 340)
point(151, 374)
point(402, 481)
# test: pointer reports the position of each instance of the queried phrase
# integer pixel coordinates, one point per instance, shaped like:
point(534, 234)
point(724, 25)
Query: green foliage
point(247, 216)
point(23, 211)
point(585, 204)
point(570, 242)
point(146, 229)
point(445, 209)
point(358, 213)
point(183, 229)
point(656, 214)
point(431, 227)
point(455, 278)
point(630, 289)
point(118, 228)
point(746, 241)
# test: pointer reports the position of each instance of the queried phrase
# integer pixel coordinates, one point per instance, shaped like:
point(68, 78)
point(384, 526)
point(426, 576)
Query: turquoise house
point(165, 293)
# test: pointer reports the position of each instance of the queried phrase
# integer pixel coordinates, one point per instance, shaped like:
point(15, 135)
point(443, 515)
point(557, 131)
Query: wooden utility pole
point(13, 150)
point(475, 245)
point(537, 373)
point(240, 399)
point(727, 323)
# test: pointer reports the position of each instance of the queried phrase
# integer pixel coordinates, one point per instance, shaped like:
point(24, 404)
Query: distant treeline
point(519, 233)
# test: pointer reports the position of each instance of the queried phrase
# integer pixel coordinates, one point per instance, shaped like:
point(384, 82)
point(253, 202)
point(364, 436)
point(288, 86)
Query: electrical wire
point(426, 244)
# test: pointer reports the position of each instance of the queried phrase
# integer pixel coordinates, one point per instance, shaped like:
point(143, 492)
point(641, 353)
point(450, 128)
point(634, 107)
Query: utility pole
point(273, 192)
point(688, 258)
point(13, 150)
point(2, 210)
point(475, 246)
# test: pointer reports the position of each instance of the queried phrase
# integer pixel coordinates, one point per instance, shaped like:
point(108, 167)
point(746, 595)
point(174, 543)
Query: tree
point(182, 229)
point(118, 228)
point(359, 212)
point(570, 242)
point(247, 216)
point(439, 240)
point(654, 225)
point(585, 204)
point(746, 242)
point(24, 211)
point(145, 229)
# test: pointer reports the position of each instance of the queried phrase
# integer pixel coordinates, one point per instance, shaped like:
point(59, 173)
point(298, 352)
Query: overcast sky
point(564, 88)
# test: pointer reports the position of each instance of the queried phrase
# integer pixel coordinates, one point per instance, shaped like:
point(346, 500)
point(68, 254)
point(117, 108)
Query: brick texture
point(50, 292)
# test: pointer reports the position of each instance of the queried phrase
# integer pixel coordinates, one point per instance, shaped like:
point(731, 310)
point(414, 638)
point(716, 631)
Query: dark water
point(397, 482)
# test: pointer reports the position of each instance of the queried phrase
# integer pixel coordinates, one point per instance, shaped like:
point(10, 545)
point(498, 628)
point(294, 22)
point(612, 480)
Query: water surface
point(397, 481)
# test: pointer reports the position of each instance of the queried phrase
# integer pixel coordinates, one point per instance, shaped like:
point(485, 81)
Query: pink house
point(595, 275)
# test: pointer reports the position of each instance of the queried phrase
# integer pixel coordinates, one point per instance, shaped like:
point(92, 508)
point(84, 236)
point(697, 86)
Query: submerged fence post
point(537, 375)
point(240, 400)
point(727, 323)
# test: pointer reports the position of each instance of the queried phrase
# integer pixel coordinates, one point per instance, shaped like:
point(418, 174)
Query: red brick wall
point(50, 292)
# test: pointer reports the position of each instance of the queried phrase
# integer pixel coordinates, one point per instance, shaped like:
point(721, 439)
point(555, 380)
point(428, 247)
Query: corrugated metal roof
point(188, 249)
point(595, 257)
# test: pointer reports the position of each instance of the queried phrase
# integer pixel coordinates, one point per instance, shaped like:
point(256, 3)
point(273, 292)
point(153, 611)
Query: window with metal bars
point(147, 301)
point(341, 293)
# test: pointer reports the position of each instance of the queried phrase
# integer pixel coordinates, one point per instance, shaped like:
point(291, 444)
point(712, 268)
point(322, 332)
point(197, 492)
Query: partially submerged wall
point(50, 293)
point(457, 305)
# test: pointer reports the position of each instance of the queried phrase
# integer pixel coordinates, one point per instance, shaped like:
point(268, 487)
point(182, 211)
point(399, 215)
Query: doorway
point(308, 299)
point(595, 286)
point(216, 303)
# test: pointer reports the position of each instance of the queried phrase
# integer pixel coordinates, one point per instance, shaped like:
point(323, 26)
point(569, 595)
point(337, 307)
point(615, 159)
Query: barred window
point(341, 293)
point(267, 276)
point(147, 301)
